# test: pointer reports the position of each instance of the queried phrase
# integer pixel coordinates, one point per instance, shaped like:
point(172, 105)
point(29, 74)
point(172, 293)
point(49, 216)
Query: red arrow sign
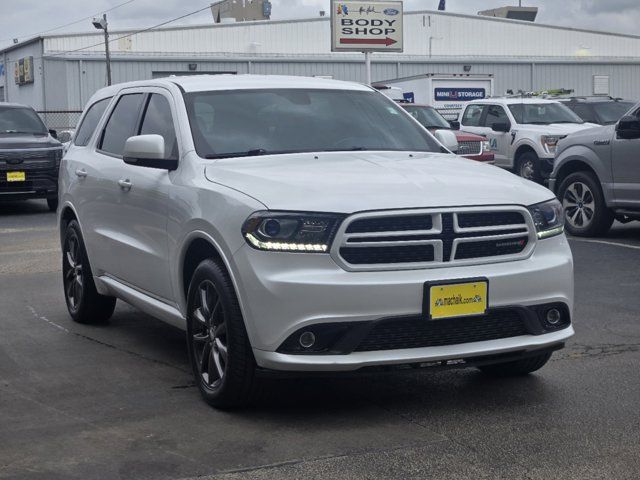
point(368, 41)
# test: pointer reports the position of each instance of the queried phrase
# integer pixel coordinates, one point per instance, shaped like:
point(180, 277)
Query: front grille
point(380, 255)
point(416, 332)
point(469, 148)
point(424, 239)
point(25, 160)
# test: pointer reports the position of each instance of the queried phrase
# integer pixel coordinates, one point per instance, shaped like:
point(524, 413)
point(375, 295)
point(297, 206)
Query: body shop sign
point(366, 26)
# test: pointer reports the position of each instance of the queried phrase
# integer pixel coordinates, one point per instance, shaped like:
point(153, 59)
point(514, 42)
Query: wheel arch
point(66, 215)
point(521, 150)
point(573, 166)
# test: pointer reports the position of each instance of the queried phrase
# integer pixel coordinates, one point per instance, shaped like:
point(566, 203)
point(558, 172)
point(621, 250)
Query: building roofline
point(21, 44)
point(327, 19)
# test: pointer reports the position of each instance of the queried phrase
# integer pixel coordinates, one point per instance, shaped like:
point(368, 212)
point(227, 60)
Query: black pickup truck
point(29, 156)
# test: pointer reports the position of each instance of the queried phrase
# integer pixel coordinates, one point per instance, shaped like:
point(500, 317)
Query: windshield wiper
point(249, 153)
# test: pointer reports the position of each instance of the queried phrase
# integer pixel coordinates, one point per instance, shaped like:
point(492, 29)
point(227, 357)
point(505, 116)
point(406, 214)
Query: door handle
point(82, 173)
point(125, 184)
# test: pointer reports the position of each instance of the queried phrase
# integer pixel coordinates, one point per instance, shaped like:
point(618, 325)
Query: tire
point(219, 349)
point(517, 368)
point(84, 303)
point(586, 212)
point(52, 203)
point(528, 167)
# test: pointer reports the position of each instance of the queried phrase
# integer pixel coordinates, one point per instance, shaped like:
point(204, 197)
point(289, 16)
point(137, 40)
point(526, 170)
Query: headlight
point(550, 142)
point(486, 146)
point(548, 217)
point(291, 232)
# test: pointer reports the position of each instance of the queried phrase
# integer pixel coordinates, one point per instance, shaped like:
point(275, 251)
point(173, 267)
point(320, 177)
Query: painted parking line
point(605, 242)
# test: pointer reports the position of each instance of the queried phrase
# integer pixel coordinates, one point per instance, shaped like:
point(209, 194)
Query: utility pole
point(101, 24)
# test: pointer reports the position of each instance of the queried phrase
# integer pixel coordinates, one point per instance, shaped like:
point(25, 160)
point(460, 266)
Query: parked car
point(523, 132)
point(470, 146)
point(29, 156)
point(206, 202)
point(597, 176)
point(598, 110)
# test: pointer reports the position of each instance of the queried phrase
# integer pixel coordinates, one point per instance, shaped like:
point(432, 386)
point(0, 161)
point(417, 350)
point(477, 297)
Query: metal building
point(68, 69)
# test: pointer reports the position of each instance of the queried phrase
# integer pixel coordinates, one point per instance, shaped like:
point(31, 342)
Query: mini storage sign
point(366, 26)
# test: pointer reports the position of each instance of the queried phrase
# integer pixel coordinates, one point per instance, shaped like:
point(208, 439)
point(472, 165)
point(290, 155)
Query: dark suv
point(29, 156)
point(600, 110)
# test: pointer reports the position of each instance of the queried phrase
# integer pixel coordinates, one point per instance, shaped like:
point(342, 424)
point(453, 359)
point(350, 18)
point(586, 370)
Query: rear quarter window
point(90, 122)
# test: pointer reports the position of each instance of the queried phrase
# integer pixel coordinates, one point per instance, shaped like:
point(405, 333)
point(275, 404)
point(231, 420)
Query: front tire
point(84, 303)
point(586, 211)
point(219, 349)
point(517, 368)
point(528, 167)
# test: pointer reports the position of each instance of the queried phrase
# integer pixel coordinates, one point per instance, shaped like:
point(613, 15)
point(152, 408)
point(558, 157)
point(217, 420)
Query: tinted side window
point(472, 115)
point(496, 114)
point(157, 120)
point(585, 112)
point(90, 122)
point(122, 123)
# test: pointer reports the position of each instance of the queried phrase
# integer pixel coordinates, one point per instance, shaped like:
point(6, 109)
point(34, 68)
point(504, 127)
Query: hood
point(22, 140)
point(347, 182)
point(556, 128)
point(468, 137)
point(600, 134)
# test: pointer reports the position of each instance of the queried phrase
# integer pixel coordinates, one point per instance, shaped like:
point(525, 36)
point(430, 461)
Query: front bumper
point(281, 293)
point(42, 183)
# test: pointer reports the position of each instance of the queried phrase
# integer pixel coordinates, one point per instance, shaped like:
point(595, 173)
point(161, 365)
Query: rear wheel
point(517, 368)
point(219, 348)
point(52, 203)
point(84, 303)
point(586, 211)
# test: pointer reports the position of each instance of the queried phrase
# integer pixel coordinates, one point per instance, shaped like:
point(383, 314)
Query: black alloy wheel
point(84, 303)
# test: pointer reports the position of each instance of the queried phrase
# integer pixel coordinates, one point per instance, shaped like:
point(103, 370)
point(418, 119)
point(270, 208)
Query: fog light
point(307, 339)
point(553, 316)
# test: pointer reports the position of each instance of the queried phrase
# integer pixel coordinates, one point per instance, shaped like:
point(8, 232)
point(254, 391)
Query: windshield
point(543, 113)
point(611, 112)
point(238, 123)
point(21, 120)
point(427, 116)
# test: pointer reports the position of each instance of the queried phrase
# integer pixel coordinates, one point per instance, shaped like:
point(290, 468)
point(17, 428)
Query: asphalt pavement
point(118, 401)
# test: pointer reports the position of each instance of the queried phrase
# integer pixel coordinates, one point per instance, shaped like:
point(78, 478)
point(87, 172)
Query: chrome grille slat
point(483, 243)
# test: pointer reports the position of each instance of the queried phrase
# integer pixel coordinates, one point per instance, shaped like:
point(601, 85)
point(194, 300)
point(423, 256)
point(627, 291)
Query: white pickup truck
point(523, 132)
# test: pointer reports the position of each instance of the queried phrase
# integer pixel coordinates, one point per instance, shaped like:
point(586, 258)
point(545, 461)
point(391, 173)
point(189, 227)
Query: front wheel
point(517, 368)
point(529, 167)
point(84, 303)
point(586, 211)
point(219, 348)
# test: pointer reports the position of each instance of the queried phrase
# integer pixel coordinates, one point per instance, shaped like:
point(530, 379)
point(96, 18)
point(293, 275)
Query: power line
point(134, 33)
point(71, 23)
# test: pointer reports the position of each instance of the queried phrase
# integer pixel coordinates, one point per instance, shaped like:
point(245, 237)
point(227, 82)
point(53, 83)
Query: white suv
point(523, 132)
point(299, 224)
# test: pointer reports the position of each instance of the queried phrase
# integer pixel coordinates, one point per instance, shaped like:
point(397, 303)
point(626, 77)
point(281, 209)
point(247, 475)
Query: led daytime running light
point(283, 246)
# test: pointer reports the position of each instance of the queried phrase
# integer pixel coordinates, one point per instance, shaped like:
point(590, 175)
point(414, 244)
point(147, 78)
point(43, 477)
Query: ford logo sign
point(391, 11)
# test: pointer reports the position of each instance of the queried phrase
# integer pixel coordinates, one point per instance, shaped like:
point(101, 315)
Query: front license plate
point(448, 300)
point(16, 177)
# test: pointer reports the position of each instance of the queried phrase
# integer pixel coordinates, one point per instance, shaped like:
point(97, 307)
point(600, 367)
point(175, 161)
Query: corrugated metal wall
point(29, 94)
point(435, 33)
point(70, 83)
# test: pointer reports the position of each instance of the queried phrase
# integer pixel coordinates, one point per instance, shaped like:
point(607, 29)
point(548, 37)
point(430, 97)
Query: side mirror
point(455, 124)
point(64, 136)
point(628, 127)
point(501, 127)
point(53, 133)
point(448, 139)
point(147, 151)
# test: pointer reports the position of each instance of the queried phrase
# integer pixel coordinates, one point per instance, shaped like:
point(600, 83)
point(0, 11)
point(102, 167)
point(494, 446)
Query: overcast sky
point(23, 18)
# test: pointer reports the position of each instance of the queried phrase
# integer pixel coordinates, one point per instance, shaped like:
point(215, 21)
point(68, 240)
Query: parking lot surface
point(118, 401)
